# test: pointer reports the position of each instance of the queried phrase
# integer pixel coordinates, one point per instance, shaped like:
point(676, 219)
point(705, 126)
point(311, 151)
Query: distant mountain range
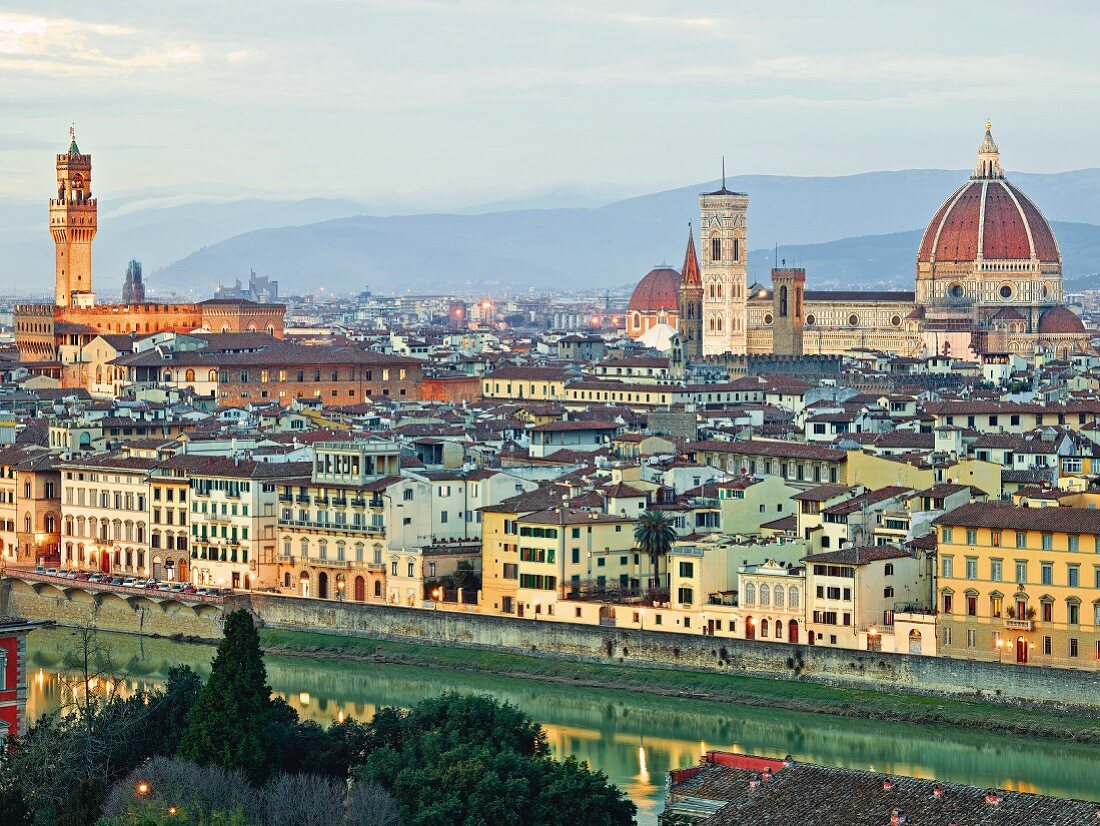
point(857, 230)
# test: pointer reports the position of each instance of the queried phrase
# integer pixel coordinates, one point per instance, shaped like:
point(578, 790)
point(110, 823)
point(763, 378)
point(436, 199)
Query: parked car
point(51, 571)
point(189, 589)
point(129, 582)
point(164, 586)
point(38, 569)
point(176, 587)
point(116, 580)
point(202, 592)
point(83, 576)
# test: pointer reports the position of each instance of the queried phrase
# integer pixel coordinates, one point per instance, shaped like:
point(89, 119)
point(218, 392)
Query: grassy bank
point(738, 689)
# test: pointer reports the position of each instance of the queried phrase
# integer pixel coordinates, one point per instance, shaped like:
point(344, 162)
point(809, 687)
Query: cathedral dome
point(1059, 321)
point(659, 290)
point(988, 219)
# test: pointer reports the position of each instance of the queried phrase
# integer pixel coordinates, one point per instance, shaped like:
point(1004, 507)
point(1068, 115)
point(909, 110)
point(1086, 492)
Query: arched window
point(792, 597)
point(716, 249)
point(783, 301)
point(750, 594)
point(189, 375)
point(765, 595)
point(378, 587)
point(763, 628)
point(778, 596)
point(778, 630)
point(27, 523)
point(286, 579)
point(212, 375)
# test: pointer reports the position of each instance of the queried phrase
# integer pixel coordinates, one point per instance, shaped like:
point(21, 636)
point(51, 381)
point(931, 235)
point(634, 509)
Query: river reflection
point(635, 739)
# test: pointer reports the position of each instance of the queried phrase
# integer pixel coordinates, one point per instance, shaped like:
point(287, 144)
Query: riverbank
point(1022, 719)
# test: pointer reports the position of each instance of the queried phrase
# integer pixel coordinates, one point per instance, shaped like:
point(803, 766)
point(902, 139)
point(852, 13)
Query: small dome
point(659, 290)
point(1059, 321)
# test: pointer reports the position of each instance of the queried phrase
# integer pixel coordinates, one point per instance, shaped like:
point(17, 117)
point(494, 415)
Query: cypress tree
point(232, 723)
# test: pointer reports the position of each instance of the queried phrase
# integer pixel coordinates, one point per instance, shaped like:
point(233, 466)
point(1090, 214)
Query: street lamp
point(1000, 649)
point(437, 597)
point(340, 584)
point(142, 788)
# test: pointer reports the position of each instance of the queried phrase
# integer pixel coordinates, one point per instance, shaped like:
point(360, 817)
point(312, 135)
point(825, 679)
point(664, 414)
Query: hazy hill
point(841, 228)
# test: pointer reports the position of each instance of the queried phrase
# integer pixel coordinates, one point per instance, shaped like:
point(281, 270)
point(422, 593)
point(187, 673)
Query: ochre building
point(75, 319)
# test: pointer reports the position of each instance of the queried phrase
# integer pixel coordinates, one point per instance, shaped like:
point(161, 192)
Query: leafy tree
point(654, 534)
point(232, 724)
point(472, 761)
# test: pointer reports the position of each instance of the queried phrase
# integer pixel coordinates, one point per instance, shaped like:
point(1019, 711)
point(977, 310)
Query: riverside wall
point(109, 611)
point(969, 679)
point(1004, 683)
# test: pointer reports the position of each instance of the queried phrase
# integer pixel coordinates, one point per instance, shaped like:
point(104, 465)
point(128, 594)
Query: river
point(635, 739)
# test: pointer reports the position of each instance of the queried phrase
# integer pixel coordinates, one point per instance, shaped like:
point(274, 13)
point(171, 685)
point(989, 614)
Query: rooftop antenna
point(723, 172)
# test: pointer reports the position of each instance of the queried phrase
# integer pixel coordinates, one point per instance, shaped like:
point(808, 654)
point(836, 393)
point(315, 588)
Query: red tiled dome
point(991, 215)
point(659, 290)
point(1060, 320)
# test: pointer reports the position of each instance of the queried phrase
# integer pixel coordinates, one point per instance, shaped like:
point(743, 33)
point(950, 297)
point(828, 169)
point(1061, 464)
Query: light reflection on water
point(635, 739)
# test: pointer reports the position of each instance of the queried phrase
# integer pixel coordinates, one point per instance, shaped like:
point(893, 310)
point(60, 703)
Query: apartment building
point(336, 520)
point(30, 505)
point(851, 595)
point(773, 601)
point(169, 514)
point(1020, 585)
point(105, 515)
point(233, 520)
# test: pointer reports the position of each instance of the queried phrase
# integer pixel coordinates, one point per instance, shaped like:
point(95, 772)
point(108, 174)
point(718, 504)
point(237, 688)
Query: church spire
point(689, 275)
point(989, 157)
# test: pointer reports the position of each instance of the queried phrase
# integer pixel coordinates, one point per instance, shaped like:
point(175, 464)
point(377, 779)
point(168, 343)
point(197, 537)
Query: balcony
point(285, 497)
point(339, 501)
point(358, 502)
point(328, 526)
point(380, 567)
point(1019, 624)
point(302, 498)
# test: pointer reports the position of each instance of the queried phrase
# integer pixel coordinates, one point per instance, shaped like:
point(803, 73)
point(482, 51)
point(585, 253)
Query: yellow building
point(525, 383)
point(1020, 585)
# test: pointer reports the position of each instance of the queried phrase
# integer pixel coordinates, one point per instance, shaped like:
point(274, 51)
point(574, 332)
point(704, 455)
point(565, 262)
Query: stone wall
point(111, 612)
point(651, 649)
point(930, 675)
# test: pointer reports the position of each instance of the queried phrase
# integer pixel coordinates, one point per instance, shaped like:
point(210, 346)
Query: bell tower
point(73, 226)
point(691, 304)
point(722, 236)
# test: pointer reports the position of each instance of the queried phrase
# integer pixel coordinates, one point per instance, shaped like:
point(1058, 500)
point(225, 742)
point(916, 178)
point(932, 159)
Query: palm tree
point(654, 534)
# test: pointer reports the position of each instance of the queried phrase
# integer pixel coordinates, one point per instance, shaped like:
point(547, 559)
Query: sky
point(431, 103)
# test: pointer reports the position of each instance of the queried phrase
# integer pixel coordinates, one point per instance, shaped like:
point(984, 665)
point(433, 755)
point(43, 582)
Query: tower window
point(783, 302)
point(715, 249)
point(736, 249)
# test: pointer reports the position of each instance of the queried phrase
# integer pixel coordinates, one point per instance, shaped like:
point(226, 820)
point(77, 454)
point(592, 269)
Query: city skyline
point(505, 100)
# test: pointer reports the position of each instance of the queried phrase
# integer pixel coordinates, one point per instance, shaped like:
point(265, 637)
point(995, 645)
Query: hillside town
point(933, 496)
point(713, 475)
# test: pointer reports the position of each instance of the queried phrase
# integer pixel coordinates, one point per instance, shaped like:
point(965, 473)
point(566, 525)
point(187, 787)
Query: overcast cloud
point(403, 101)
